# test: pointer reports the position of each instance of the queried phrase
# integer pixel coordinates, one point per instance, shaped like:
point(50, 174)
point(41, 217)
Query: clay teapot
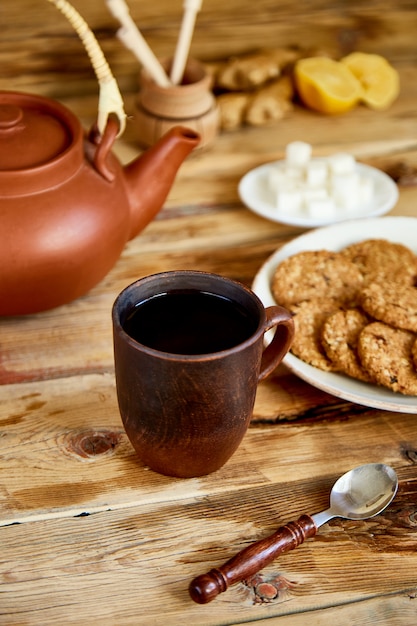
point(67, 206)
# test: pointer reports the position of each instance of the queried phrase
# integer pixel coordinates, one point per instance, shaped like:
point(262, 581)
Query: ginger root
point(267, 104)
point(254, 88)
point(247, 72)
point(270, 103)
point(251, 71)
point(232, 108)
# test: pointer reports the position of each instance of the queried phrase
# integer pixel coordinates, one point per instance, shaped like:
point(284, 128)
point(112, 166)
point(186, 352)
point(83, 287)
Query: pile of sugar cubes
point(319, 188)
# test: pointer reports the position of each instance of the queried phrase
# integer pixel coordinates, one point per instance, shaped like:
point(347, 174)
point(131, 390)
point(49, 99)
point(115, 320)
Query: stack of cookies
point(355, 311)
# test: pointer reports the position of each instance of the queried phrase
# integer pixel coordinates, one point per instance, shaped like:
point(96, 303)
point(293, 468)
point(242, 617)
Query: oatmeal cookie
point(414, 354)
point(309, 317)
point(385, 352)
point(313, 274)
point(339, 337)
point(392, 303)
point(380, 260)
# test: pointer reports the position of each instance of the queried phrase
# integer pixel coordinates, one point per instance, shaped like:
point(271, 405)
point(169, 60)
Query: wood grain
point(203, 211)
point(88, 533)
point(64, 451)
point(133, 559)
point(40, 52)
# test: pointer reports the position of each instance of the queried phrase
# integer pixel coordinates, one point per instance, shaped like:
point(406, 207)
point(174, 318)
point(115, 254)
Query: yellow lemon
point(325, 85)
point(380, 81)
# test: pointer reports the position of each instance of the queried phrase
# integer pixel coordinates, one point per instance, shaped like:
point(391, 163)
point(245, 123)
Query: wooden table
point(89, 535)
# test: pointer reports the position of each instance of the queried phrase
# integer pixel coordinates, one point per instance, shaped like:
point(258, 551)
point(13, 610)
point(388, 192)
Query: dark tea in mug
point(190, 321)
point(189, 353)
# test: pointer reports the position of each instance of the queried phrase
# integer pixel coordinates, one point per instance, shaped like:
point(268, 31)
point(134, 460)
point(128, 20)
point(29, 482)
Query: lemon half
point(380, 81)
point(326, 86)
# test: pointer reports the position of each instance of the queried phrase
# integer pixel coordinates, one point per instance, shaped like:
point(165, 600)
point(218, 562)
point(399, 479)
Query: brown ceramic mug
point(189, 353)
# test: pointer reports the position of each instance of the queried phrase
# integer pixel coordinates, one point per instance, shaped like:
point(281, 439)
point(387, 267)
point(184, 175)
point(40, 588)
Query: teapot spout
point(149, 178)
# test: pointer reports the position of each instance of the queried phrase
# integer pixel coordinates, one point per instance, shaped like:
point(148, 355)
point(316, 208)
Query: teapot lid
point(41, 144)
point(33, 130)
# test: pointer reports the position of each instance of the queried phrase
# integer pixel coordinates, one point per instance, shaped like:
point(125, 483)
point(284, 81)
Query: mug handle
point(281, 319)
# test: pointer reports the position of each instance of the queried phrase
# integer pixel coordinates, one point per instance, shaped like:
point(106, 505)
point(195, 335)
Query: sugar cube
point(341, 163)
point(316, 173)
point(310, 194)
point(345, 190)
point(276, 178)
point(298, 153)
point(366, 190)
point(289, 200)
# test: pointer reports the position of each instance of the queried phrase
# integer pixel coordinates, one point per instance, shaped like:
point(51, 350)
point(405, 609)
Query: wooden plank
point(40, 51)
point(82, 329)
point(88, 533)
point(210, 177)
point(134, 566)
point(398, 610)
point(220, 234)
point(63, 450)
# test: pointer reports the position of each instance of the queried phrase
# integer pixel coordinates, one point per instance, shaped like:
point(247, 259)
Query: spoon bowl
point(360, 493)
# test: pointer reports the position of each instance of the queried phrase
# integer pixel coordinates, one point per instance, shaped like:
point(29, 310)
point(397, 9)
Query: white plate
point(397, 229)
point(255, 194)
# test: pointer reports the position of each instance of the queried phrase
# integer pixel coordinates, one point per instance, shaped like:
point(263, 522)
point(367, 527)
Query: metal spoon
point(361, 493)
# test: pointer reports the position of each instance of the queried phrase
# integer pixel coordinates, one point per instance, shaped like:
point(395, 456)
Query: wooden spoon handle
point(252, 559)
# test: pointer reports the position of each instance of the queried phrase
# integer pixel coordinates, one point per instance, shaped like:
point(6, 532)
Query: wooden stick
point(133, 39)
point(191, 8)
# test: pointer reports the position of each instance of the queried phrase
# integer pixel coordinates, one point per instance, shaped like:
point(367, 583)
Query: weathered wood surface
point(104, 539)
point(88, 534)
point(203, 210)
point(64, 450)
point(40, 51)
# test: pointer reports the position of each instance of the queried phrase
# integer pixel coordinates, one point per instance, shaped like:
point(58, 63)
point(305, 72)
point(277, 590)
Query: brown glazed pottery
point(186, 414)
point(67, 206)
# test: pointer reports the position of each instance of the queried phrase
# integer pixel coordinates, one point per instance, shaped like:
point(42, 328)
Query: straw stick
point(133, 39)
point(110, 99)
point(191, 8)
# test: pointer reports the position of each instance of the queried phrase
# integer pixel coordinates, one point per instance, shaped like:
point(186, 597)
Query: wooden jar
point(191, 104)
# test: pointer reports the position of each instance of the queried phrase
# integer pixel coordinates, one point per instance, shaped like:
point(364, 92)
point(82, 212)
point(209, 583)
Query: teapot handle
point(110, 99)
point(104, 143)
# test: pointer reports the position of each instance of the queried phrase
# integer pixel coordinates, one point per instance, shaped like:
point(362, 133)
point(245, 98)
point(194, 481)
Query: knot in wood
point(93, 443)
point(269, 588)
point(266, 591)
point(411, 455)
point(413, 518)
